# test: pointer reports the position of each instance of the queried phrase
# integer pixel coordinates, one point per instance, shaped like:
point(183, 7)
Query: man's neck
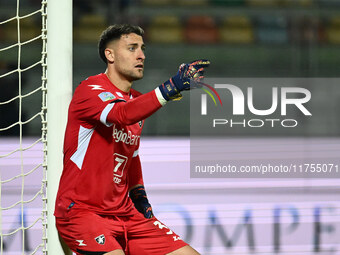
point(120, 82)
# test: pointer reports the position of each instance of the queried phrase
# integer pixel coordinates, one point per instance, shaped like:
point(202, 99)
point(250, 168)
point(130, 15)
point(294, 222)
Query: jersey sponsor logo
point(117, 180)
point(125, 137)
point(140, 123)
point(96, 87)
point(81, 243)
point(100, 239)
point(120, 163)
point(106, 96)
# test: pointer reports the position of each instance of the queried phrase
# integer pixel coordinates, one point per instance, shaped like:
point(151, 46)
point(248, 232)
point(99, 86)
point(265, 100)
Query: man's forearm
point(128, 113)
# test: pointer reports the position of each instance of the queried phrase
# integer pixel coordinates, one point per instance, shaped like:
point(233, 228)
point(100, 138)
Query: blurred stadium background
point(242, 38)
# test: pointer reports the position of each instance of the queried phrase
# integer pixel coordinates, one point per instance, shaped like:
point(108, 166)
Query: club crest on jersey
point(106, 96)
point(140, 124)
point(100, 239)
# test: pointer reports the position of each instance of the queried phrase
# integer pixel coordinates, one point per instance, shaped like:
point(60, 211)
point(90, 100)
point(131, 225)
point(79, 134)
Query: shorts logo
point(100, 239)
point(106, 96)
point(161, 226)
point(176, 238)
point(81, 243)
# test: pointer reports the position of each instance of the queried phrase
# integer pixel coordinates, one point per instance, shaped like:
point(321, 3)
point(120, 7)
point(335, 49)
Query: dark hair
point(114, 32)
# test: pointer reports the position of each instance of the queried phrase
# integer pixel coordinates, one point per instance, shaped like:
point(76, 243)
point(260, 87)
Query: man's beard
point(131, 76)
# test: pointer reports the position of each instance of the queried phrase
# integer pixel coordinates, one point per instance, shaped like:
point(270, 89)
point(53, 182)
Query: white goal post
point(59, 92)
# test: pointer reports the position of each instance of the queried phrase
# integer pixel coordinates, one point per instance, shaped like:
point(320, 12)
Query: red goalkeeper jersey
point(101, 144)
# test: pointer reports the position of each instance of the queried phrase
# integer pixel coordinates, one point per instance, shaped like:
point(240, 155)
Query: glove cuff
point(137, 193)
point(140, 200)
point(169, 90)
point(160, 96)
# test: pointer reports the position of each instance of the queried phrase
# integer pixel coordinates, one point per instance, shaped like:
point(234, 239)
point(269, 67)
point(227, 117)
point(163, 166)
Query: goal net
point(23, 80)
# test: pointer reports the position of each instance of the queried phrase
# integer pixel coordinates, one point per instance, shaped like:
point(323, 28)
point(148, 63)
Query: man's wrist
point(160, 97)
point(140, 200)
point(169, 91)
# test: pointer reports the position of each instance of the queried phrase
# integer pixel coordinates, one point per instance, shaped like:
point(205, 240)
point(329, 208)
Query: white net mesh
point(23, 127)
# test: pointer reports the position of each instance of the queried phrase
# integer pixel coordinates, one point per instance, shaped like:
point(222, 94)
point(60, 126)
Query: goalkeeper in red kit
point(101, 206)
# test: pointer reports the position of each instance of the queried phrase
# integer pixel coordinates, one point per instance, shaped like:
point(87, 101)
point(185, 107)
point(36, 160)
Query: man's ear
point(109, 54)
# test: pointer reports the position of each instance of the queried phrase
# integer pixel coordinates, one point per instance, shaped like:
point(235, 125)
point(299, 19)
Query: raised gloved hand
point(140, 200)
point(188, 76)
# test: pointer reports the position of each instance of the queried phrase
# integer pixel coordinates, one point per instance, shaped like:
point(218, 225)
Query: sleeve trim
point(105, 112)
point(160, 97)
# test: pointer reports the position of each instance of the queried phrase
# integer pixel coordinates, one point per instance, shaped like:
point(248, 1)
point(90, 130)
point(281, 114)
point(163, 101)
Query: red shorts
point(86, 232)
